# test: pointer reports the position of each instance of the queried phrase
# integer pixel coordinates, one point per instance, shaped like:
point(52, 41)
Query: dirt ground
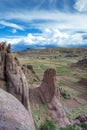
point(72, 103)
point(83, 96)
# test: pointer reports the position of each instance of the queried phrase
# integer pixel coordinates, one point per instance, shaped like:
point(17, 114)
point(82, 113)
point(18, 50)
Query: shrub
point(82, 125)
point(49, 125)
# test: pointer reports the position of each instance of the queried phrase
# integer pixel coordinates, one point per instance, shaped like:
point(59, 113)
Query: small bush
point(83, 126)
point(65, 95)
point(49, 125)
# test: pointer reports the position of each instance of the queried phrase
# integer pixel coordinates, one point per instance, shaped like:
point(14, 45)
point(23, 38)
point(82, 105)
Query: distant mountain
point(23, 46)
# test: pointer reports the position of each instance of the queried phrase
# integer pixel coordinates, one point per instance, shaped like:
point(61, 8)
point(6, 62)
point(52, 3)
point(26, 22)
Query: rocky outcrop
point(80, 119)
point(81, 63)
point(49, 94)
point(14, 78)
point(16, 81)
point(13, 115)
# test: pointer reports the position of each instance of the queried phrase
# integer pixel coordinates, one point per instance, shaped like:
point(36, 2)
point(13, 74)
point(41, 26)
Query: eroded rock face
point(46, 90)
point(13, 115)
point(49, 94)
point(14, 78)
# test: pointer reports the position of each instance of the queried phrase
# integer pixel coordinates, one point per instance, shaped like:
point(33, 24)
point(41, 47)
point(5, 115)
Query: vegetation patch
point(84, 76)
point(48, 125)
point(61, 84)
point(82, 125)
point(61, 70)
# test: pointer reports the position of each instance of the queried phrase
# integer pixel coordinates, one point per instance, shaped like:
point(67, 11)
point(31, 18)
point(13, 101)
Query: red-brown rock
point(50, 95)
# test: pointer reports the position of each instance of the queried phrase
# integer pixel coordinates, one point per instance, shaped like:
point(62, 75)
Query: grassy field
point(67, 79)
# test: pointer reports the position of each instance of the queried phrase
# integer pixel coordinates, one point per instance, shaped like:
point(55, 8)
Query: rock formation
point(16, 81)
point(49, 94)
point(13, 115)
point(12, 74)
point(81, 63)
point(80, 119)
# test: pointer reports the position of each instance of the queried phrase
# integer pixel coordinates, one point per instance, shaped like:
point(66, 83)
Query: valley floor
point(67, 79)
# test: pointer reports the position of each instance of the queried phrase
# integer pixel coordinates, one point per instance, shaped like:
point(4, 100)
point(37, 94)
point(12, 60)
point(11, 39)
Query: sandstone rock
point(50, 95)
point(13, 115)
point(46, 90)
point(16, 80)
point(12, 74)
point(9, 48)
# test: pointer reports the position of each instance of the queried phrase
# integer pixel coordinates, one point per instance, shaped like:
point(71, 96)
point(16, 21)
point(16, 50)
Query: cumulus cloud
point(49, 37)
point(13, 25)
point(81, 5)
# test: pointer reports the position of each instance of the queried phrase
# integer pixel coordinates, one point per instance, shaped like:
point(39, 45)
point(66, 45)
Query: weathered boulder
point(49, 94)
point(13, 115)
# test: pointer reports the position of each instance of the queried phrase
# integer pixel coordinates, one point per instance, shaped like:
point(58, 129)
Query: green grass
point(62, 69)
point(84, 76)
point(68, 89)
point(43, 67)
point(82, 125)
point(48, 125)
point(39, 115)
point(82, 110)
point(61, 84)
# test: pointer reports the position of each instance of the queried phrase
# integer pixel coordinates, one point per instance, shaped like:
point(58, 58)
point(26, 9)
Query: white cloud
point(13, 25)
point(81, 5)
point(49, 37)
point(29, 39)
point(53, 19)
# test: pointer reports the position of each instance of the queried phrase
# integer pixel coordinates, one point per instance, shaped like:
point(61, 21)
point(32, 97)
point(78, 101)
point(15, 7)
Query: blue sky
point(43, 23)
